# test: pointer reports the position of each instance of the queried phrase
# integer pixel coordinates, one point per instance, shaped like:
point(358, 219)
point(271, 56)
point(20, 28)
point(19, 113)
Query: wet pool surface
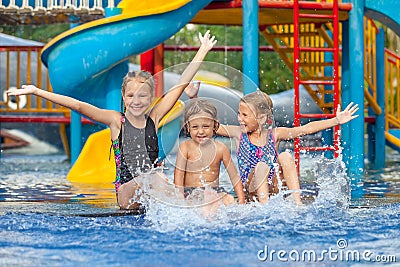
point(47, 221)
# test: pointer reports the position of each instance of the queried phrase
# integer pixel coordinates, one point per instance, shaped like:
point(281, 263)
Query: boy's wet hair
point(261, 102)
point(139, 76)
point(197, 106)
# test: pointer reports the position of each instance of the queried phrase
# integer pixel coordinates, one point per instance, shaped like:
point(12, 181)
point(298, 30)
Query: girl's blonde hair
point(139, 76)
point(262, 104)
point(197, 106)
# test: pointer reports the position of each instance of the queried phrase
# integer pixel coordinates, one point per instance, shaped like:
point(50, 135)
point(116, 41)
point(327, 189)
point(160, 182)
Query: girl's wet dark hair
point(197, 106)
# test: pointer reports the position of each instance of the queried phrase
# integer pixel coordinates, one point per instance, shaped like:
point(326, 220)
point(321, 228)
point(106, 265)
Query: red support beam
point(39, 119)
point(158, 70)
point(153, 62)
point(147, 61)
point(234, 48)
point(281, 4)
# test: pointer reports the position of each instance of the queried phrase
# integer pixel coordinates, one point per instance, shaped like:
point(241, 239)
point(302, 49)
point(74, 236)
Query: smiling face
point(248, 119)
point(201, 127)
point(255, 112)
point(200, 119)
point(137, 97)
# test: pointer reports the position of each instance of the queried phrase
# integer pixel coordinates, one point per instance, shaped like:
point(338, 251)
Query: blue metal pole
point(75, 128)
point(250, 46)
point(113, 94)
point(380, 119)
point(371, 135)
point(76, 136)
point(355, 166)
point(345, 90)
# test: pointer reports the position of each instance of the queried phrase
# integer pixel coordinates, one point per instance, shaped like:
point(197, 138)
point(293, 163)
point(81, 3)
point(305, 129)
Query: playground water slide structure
point(383, 11)
point(387, 13)
point(110, 42)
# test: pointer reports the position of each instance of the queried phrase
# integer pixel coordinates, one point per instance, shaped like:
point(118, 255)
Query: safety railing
point(392, 89)
point(370, 65)
point(22, 65)
point(314, 62)
point(67, 7)
point(77, 7)
point(304, 51)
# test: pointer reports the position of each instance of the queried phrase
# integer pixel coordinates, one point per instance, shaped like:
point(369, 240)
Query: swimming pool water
point(47, 221)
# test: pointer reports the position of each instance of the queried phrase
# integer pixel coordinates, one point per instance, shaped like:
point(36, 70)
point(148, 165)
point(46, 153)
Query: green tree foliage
point(40, 33)
point(274, 75)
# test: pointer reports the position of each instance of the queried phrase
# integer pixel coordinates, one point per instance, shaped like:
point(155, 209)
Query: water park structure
point(334, 49)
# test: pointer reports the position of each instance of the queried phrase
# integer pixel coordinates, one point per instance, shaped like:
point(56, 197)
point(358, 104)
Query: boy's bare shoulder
point(220, 146)
point(218, 143)
point(185, 143)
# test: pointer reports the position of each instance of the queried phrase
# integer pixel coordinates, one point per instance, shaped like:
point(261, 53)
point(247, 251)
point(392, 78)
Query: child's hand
point(192, 89)
point(26, 89)
point(347, 114)
point(206, 41)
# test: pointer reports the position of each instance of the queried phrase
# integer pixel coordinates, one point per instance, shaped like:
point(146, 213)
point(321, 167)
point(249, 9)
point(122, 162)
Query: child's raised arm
point(233, 175)
point(173, 95)
point(342, 117)
point(88, 110)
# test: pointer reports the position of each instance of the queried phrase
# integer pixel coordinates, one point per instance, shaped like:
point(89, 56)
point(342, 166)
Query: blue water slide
point(384, 11)
point(44, 3)
point(393, 142)
point(82, 61)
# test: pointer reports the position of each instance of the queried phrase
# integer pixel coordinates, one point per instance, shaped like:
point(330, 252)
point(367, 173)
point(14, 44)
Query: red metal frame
point(25, 48)
point(153, 62)
point(40, 119)
point(297, 81)
point(280, 4)
point(147, 61)
point(159, 70)
point(233, 48)
point(392, 54)
point(336, 72)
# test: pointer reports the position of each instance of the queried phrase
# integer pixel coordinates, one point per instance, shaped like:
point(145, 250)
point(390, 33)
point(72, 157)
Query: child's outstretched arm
point(342, 117)
point(88, 110)
point(180, 167)
point(173, 95)
point(232, 131)
point(233, 175)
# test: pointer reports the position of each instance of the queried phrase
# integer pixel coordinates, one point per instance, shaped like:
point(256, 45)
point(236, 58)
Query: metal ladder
point(315, 81)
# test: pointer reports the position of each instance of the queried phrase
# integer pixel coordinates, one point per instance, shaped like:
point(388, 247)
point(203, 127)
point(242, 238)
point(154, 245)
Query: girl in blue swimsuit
point(258, 159)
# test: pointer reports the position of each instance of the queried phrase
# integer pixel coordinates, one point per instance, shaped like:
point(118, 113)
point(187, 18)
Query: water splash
point(166, 213)
point(332, 182)
point(49, 233)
